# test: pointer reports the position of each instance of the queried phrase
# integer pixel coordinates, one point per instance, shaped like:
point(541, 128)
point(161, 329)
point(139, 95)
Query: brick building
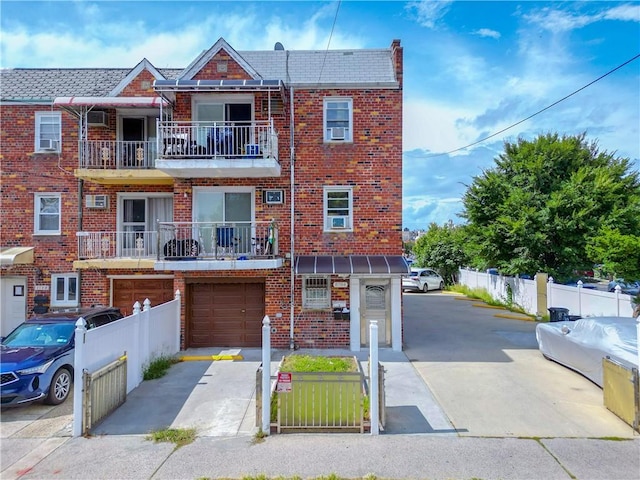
point(254, 182)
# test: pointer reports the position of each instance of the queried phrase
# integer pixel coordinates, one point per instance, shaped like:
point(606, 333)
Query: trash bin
point(558, 314)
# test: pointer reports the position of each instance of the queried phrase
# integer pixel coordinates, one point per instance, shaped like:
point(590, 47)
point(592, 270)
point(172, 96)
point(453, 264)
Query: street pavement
point(463, 402)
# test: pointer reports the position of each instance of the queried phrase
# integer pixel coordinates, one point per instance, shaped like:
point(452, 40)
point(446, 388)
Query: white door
point(375, 305)
point(13, 301)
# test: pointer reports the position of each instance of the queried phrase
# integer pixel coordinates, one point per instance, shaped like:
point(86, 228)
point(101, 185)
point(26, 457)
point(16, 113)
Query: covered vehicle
point(582, 344)
point(36, 359)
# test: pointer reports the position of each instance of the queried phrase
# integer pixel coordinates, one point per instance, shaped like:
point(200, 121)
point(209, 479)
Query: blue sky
point(471, 68)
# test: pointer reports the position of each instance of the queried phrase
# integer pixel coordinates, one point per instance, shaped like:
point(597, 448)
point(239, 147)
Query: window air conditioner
point(337, 133)
point(97, 201)
point(97, 118)
point(48, 144)
point(339, 222)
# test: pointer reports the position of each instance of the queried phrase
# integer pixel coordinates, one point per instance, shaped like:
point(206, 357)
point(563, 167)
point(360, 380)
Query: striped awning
point(351, 264)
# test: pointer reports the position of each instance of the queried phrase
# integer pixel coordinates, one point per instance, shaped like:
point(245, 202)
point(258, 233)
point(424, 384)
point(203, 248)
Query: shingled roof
point(364, 68)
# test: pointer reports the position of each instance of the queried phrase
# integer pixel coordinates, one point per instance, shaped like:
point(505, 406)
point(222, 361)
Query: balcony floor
point(256, 167)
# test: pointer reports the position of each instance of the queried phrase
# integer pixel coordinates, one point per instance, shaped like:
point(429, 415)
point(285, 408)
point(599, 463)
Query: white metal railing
point(118, 154)
point(206, 140)
point(127, 244)
point(228, 240)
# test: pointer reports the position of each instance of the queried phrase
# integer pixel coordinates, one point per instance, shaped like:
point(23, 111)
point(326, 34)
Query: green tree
point(544, 200)
point(442, 248)
point(616, 252)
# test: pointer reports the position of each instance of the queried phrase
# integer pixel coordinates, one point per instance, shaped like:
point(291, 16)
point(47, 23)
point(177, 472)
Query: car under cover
point(582, 344)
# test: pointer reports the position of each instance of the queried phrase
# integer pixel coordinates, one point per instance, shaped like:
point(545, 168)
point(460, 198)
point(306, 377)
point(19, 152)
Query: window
point(338, 120)
point(47, 214)
point(338, 207)
point(48, 132)
point(138, 215)
point(64, 290)
point(315, 293)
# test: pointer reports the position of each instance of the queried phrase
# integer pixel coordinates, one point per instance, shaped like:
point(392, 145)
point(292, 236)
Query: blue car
point(36, 359)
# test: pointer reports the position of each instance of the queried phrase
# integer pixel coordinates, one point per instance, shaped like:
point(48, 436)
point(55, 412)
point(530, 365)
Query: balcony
point(218, 149)
point(183, 246)
point(116, 162)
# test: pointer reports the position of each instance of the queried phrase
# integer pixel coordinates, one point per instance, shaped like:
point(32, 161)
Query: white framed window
point(48, 132)
point(47, 214)
point(338, 119)
point(338, 208)
point(316, 294)
point(64, 290)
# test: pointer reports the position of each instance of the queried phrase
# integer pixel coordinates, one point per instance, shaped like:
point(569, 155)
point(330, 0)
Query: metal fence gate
point(104, 391)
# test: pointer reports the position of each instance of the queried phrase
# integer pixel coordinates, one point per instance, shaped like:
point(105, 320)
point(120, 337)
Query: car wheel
point(441, 286)
point(425, 288)
point(59, 388)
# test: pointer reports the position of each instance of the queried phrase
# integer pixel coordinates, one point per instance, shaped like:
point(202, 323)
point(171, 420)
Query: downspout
point(292, 157)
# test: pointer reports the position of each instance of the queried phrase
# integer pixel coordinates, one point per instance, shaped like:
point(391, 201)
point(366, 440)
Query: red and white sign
point(284, 382)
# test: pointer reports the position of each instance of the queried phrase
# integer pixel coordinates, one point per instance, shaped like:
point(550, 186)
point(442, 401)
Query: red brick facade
point(371, 165)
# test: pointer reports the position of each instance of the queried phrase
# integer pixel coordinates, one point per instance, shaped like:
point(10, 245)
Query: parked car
point(574, 283)
point(422, 280)
point(582, 344)
point(625, 286)
point(36, 358)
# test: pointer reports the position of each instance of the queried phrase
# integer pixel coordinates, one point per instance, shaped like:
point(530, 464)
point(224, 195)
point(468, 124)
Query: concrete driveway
point(489, 377)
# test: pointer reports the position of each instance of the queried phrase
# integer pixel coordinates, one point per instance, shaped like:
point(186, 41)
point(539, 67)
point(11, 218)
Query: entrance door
point(133, 136)
point(138, 219)
point(13, 301)
point(375, 305)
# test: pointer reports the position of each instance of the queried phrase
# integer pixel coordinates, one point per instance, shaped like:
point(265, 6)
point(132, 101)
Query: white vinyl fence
point(141, 337)
point(536, 297)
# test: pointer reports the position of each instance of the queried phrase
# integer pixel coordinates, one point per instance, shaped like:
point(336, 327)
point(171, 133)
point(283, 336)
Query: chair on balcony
point(225, 240)
point(220, 141)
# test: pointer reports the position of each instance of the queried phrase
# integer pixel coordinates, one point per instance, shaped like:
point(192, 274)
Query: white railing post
point(178, 297)
point(618, 289)
point(580, 297)
point(78, 361)
point(373, 377)
point(549, 290)
point(146, 305)
point(266, 375)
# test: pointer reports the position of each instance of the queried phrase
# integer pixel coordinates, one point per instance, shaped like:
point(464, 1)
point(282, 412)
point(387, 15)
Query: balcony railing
point(112, 154)
point(212, 140)
point(184, 240)
point(207, 240)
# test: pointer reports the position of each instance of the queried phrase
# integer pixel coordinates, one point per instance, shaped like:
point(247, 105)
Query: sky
point(472, 69)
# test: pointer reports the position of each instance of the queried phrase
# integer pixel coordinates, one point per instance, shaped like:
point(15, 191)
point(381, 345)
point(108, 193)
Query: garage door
point(225, 314)
point(128, 291)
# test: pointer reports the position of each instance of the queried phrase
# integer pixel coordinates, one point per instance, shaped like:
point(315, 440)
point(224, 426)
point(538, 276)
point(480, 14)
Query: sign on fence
point(284, 382)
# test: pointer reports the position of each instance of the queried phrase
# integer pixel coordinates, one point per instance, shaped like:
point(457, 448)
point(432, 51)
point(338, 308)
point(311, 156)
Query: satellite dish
point(278, 46)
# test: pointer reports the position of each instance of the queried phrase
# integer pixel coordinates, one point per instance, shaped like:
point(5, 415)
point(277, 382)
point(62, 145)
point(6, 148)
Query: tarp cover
point(582, 344)
point(351, 264)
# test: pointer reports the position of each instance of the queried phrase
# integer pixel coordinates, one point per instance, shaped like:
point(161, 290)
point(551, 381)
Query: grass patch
point(484, 296)
point(158, 368)
point(310, 363)
point(179, 436)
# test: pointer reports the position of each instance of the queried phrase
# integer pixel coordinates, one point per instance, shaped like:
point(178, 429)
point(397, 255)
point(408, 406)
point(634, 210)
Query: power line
point(335, 18)
point(534, 114)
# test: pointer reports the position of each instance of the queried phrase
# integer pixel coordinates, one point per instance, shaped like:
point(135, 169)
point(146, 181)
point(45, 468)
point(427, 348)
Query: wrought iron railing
point(207, 140)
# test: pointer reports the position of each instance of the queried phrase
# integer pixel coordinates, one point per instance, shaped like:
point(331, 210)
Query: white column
point(396, 314)
point(266, 375)
point(373, 377)
point(78, 361)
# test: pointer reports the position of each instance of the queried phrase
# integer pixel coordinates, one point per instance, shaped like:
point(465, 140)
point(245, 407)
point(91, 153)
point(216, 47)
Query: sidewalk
point(218, 399)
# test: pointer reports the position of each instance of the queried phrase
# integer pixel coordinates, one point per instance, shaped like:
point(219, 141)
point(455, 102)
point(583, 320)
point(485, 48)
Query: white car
point(582, 344)
point(422, 280)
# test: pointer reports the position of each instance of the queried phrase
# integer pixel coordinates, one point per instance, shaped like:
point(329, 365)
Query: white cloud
point(429, 12)
point(487, 32)
point(627, 12)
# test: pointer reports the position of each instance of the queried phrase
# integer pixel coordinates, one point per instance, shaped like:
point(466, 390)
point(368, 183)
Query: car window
point(40, 335)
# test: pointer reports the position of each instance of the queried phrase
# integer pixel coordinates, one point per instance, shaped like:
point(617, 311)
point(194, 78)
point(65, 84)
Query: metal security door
point(375, 302)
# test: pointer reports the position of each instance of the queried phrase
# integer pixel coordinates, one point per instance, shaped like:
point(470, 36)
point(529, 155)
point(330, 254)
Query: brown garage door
point(127, 291)
point(225, 314)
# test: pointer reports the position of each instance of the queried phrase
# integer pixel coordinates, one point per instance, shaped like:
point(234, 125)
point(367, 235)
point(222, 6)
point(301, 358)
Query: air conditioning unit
point(337, 133)
point(339, 222)
point(97, 118)
point(97, 201)
point(48, 144)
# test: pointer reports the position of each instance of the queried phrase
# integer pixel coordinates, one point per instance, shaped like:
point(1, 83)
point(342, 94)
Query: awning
point(122, 102)
point(16, 255)
point(227, 85)
point(352, 264)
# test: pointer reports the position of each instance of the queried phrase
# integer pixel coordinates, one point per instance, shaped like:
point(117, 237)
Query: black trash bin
point(558, 314)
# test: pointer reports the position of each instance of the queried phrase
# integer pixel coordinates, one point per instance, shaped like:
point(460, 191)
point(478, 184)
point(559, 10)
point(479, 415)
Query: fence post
point(78, 361)
point(373, 377)
point(178, 297)
point(580, 297)
point(618, 289)
point(266, 375)
point(549, 296)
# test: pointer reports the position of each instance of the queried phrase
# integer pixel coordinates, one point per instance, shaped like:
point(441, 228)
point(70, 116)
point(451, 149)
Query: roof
point(351, 264)
point(327, 68)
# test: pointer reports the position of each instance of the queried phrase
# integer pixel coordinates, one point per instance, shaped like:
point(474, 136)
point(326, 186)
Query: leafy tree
point(442, 248)
point(537, 209)
point(616, 252)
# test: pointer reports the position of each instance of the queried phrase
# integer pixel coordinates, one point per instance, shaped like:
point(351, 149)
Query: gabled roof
point(206, 57)
point(135, 71)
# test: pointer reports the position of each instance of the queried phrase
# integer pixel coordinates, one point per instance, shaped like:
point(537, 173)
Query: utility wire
point(532, 115)
point(335, 18)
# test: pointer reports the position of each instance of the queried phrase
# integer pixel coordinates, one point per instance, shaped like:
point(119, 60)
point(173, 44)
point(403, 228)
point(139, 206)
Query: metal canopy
point(121, 102)
point(352, 264)
point(16, 255)
point(216, 85)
